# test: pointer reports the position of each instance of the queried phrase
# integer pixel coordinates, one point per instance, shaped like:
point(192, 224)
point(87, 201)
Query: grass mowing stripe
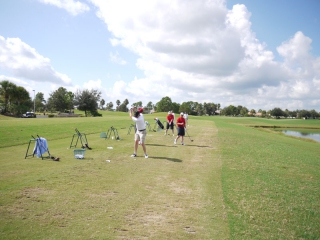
point(36, 178)
point(170, 195)
point(270, 182)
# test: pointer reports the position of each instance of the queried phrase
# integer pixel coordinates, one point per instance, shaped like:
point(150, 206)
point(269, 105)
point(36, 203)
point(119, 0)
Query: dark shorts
point(180, 131)
point(170, 125)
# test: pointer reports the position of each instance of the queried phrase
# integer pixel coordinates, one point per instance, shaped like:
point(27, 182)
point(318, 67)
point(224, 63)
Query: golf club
point(188, 135)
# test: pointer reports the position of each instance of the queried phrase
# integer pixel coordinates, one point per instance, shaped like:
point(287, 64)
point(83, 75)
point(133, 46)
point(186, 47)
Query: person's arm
point(130, 112)
point(179, 123)
point(172, 118)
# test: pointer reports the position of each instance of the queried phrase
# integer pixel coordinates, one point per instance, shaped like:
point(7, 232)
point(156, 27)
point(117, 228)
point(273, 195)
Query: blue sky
point(258, 54)
point(276, 21)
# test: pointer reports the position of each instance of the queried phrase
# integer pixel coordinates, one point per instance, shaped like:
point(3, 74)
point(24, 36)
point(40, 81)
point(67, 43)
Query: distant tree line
point(13, 98)
point(16, 101)
point(275, 112)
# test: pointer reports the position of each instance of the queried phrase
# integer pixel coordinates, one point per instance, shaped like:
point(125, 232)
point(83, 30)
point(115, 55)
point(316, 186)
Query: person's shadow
point(169, 159)
point(148, 144)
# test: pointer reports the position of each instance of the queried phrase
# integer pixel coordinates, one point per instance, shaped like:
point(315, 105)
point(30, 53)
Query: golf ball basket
point(79, 153)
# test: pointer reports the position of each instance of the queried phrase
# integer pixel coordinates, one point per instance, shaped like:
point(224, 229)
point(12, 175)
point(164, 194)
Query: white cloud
point(71, 6)
point(93, 85)
point(23, 61)
point(187, 50)
point(30, 85)
point(296, 49)
point(115, 58)
point(16, 81)
point(201, 51)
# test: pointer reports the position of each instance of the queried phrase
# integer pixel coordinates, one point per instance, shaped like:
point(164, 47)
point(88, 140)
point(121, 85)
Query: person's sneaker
point(134, 155)
point(175, 142)
point(182, 143)
point(145, 156)
point(172, 135)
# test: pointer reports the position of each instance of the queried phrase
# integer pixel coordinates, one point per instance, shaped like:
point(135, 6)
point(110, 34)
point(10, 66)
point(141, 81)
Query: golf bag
point(158, 123)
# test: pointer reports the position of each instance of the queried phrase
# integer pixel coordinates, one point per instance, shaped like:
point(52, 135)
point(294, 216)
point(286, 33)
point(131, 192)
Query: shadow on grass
point(169, 159)
point(201, 146)
point(60, 159)
point(187, 145)
point(83, 159)
point(161, 145)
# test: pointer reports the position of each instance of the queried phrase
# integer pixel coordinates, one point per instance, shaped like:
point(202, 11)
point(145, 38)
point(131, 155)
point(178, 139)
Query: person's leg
point(136, 144)
point(178, 135)
point(167, 127)
point(172, 127)
point(143, 139)
point(144, 148)
point(182, 132)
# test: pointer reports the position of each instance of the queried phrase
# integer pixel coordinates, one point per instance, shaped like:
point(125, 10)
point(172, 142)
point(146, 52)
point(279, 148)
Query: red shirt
point(170, 118)
point(181, 122)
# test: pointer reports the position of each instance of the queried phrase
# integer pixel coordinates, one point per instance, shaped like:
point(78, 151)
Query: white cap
point(181, 113)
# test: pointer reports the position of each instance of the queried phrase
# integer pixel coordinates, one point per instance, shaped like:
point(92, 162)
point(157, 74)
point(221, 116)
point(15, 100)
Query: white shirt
point(185, 116)
point(140, 123)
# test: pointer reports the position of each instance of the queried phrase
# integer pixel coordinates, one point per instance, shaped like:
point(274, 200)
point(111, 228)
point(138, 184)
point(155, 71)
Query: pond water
point(314, 136)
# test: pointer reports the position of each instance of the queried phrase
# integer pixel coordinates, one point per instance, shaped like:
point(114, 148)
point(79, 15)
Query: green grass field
point(238, 179)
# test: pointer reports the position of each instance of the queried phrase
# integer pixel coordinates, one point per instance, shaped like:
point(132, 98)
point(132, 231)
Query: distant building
point(259, 114)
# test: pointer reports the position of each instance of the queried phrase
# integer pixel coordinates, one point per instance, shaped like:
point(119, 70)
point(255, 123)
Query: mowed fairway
point(240, 178)
point(174, 194)
point(271, 182)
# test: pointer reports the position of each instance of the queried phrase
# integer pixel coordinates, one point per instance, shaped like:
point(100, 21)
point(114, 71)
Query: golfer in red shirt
point(181, 125)
point(170, 123)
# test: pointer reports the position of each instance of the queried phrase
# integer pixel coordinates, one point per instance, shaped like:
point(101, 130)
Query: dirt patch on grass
point(177, 187)
point(184, 198)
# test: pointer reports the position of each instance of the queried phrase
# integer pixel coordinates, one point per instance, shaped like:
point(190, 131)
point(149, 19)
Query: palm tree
point(22, 100)
point(6, 92)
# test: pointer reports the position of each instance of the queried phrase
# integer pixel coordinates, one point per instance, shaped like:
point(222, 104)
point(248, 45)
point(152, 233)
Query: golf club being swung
point(188, 135)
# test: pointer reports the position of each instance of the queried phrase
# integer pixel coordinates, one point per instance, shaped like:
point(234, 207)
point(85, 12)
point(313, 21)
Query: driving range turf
point(238, 179)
